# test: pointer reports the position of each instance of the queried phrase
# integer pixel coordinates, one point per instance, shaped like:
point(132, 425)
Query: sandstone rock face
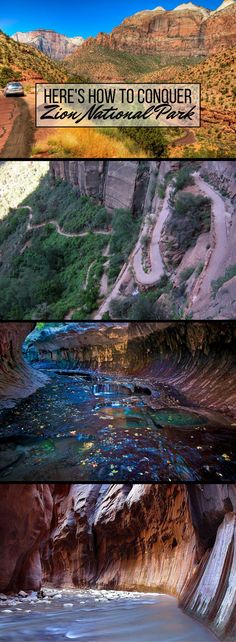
point(196, 359)
point(175, 538)
point(17, 378)
point(25, 518)
point(55, 45)
point(186, 30)
point(113, 183)
point(130, 184)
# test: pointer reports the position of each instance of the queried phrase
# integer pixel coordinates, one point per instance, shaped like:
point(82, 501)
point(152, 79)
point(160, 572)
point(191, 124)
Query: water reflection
point(81, 428)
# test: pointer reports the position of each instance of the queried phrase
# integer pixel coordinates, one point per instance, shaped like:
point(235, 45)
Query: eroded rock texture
point(17, 378)
point(198, 359)
point(116, 184)
point(175, 538)
point(188, 29)
point(132, 184)
point(54, 44)
point(25, 519)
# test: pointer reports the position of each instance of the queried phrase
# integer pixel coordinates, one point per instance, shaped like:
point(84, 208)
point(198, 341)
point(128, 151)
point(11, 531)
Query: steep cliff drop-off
point(186, 30)
point(142, 239)
point(174, 538)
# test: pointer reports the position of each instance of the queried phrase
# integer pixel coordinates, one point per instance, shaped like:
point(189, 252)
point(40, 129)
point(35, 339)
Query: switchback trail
point(135, 260)
point(37, 226)
point(218, 249)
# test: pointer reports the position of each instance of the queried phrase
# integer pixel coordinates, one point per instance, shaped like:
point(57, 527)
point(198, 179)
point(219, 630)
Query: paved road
point(219, 252)
point(157, 266)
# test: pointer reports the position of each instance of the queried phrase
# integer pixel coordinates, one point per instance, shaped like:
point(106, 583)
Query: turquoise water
point(88, 428)
point(101, 616)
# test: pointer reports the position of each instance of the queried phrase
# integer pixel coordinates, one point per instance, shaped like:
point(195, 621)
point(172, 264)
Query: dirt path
point(21, 134)
point(157, 266)
point(37, 226)
point(219, 251)
point(188, 138)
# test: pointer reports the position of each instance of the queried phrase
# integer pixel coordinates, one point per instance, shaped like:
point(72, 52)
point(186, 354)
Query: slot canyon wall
point(197, 359)
point(129, 184)
point(175, 538)
point(17, 378)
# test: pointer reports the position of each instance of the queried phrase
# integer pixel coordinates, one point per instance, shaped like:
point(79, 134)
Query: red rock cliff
point(176, 538)
point(17, 378)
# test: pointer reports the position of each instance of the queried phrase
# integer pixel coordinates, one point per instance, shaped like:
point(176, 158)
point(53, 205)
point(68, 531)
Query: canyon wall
point(187, 30)
point(193, 360)
point(53, 44)
point(175, 538)
point(25, 519)
point(116, 184)
point(17, 378)
point(196, 359)
point(126, 184)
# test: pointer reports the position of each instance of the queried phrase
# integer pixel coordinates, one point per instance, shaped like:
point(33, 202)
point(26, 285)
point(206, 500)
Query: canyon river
point(94, 428)
point(95, 615)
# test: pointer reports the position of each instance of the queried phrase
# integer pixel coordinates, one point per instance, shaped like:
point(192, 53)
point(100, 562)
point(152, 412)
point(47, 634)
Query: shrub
point(195, 212)
point(150, 139)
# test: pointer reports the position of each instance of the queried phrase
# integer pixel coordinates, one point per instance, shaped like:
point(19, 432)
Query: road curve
point(20, 140)
point(219, 251)
point(157, 266)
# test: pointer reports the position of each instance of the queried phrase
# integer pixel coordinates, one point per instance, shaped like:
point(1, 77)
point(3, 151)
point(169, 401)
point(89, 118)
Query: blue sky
point(77, 18)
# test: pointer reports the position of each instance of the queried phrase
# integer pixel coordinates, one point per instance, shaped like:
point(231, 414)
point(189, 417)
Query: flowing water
point(89, 428)
point(101, 616)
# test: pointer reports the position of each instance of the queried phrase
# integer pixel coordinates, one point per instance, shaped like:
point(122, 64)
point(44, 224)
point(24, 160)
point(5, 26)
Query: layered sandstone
point(195, 359)
point(53, 44)
point(174, 538)
point(17, 378)
point(187, 30)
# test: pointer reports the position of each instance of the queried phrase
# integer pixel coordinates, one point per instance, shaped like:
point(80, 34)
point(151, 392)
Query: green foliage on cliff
point(125, 231)
point(44, 275)
point(60, 201)
point(196, 213)
point(29, 62)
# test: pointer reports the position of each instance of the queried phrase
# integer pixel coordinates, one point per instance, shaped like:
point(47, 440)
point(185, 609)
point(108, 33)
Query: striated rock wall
point(53, 44)
point(197, 359)
point(222, 175)
point(25, 519)
point(17, 378)
point(176, 538)
point(131, 184)
point(113, 183)
point(186, 30)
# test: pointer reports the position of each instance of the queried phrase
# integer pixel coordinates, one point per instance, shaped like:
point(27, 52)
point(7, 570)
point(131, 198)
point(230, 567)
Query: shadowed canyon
point(118, 401)
point(118, 240)
point(84, 561)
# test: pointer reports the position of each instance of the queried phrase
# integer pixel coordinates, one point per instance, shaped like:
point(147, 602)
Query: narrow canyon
point(92, 548)
point(106, 401)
